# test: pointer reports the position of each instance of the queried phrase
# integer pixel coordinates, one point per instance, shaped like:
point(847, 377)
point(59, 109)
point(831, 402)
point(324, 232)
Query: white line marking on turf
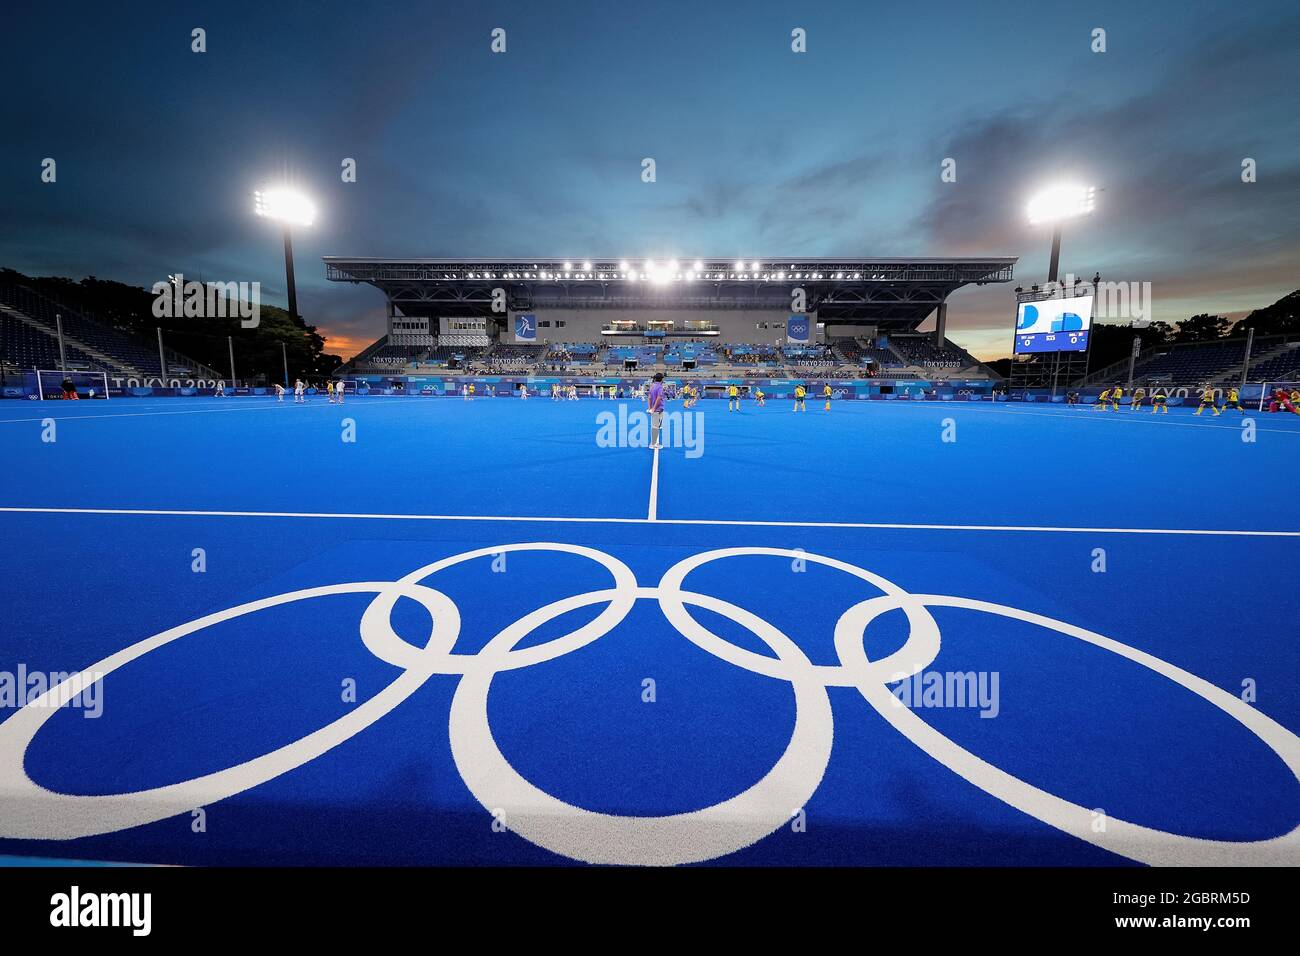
point(1150, 419)
point(1077, 413)
point(654, 489)
point(197, 411)
point(865, 525)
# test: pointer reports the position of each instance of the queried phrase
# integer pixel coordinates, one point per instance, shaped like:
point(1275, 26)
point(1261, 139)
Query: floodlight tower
point(1056, 205)
point(289, 208)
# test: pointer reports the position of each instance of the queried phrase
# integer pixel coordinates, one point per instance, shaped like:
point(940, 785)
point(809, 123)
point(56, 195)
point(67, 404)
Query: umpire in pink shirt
point(655, 405)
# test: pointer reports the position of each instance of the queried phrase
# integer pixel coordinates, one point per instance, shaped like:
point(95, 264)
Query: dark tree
point(1280, 318)
point(1201, 328)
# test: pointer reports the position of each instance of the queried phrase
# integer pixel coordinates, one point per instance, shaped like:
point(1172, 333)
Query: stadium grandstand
point(956, 586)
point(32, 322)
point(705, 317)
point(1271, 358)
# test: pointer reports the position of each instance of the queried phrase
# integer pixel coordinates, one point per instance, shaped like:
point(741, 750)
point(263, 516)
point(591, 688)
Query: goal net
point(1270, 400)
point(51, 383)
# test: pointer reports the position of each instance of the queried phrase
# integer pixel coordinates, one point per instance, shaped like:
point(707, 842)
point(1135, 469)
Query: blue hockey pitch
point(892, 633)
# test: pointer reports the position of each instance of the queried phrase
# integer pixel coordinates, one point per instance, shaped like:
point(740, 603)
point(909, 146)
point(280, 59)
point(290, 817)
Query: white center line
point(654, 489)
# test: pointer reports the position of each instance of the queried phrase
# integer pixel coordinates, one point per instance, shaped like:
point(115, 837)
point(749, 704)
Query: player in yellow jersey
point(800, 393)
point(1102, 400)
point(1233, 400)
point(1116, 394)
point(733, 398)
point(826, 394)
point(1139, 395)
point(1207, 398)
point(1159, 402)
point(760, 397)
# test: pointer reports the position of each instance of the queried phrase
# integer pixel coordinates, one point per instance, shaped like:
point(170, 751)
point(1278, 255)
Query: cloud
point(1173, 209)
point(539, 152)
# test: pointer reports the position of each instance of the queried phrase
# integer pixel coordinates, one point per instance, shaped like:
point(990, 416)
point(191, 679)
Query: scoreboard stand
point(1052, 338)
point(1054, 370)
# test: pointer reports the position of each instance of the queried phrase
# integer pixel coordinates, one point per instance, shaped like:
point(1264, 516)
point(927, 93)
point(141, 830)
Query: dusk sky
point(760, 151)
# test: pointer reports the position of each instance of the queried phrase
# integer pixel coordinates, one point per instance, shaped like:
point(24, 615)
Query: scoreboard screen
point(1053, 325)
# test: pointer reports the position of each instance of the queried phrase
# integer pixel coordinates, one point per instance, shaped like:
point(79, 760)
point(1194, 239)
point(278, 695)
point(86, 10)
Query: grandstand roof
point(900, 291)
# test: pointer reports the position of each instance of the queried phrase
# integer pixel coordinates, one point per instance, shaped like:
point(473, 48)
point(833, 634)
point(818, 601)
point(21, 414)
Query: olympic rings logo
point(30, 811)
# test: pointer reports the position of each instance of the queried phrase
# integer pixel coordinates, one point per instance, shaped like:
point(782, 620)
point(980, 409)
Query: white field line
point(261, 407)
point(537, 519)
point(654, 489)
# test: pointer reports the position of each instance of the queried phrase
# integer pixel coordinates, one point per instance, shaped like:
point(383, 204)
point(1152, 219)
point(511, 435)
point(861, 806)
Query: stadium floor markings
point(978, 817)
point(653, 511)
point(1078, 416)
point(977, 407)
point(706, 522)
point(1150, 420)
point(195, 411)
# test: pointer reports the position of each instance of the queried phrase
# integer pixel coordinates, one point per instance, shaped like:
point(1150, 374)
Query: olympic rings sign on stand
point(29, 811)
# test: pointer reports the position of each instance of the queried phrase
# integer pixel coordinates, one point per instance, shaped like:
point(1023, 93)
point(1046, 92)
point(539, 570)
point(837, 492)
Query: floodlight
point(1058, 203)
point(284, 205)
point(289, 208)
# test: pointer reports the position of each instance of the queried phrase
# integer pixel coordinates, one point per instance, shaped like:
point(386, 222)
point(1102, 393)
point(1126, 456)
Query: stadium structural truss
point(897, 294)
